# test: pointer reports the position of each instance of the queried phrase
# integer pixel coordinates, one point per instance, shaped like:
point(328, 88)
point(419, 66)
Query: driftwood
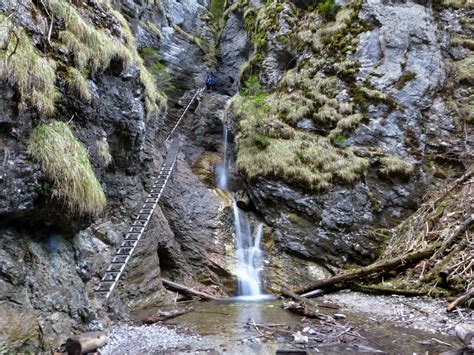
point(299, 298)
point(162, 316)
point(188, 291)
point(465, 333)
point(453, 238)
point(378, 267)
point(301, 309)
point(84, 343)
point(461, 300)
point(381, 290)
point(314, 293)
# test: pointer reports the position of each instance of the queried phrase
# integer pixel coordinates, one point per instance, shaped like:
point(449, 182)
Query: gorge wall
point(343, 120)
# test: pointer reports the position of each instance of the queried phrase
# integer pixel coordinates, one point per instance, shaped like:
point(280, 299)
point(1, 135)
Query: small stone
point(339, 316)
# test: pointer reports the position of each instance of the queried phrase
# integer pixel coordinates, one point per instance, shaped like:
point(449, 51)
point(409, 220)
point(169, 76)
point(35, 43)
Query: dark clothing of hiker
point(209, 82)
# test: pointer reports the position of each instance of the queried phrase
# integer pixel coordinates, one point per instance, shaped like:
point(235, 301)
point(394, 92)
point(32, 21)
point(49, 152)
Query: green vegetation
point(404, 79)
point(206, 48)
point(27, 70)
point(463, 41)
point(393, 166)
point(261, 141)
point(155, 99)
point(66, 163)
point(272, 148)
point(152, 61)
point(216, 8)
point(328, 9)
point(465, 70)
point(78, 84)
point(103, 150)
point(252, 86)
point(88, 45)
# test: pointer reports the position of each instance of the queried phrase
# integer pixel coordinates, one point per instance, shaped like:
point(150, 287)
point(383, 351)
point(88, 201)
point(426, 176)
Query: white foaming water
point(248, 256)
point(222, 169)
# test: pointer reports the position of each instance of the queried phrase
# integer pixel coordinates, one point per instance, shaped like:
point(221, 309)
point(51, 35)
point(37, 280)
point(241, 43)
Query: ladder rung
point(128, 244)
point(136, 229)
point(139, 223)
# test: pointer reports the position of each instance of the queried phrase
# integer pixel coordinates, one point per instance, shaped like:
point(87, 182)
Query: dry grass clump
point(66, 162)
point(269, 147)
point(393, 166)
point(465, 70)
point(93, 48)
point(103, 150)
point(309, 164)
point(77, 82)
point(463, 41)
point(88, 45)
point(25, 69)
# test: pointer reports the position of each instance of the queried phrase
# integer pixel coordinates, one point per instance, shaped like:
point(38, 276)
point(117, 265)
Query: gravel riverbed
point(422, 313)
point(127, 339)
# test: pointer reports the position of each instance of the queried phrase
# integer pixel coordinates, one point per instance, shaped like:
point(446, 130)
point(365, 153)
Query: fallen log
point(461, 300)
point(453, 238)
point(188, 291)
point(162, 316)
point(85, 343)
point(299, 298)
point(301, 309)
point(382, 290)
point(378, 267)
point(314, 293)
point(465, 333)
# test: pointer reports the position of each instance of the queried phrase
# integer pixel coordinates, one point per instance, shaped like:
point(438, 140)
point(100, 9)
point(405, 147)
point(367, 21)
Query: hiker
point(209, 82)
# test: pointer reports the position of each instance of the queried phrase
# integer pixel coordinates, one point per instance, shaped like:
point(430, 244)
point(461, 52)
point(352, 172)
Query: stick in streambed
point(296, 297)
point(189, 291)
point(162, 316)
point(378, 267)
point(461, 300)
point(86, 342)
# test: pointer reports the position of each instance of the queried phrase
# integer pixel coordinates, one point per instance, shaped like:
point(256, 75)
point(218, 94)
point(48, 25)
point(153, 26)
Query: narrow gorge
point(330, 155)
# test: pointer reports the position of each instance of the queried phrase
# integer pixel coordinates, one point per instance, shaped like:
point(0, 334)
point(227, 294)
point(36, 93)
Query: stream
point(235, 326)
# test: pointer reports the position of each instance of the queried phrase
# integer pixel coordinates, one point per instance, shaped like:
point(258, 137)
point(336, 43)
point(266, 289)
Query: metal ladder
point(196, 94)
point(123, 254)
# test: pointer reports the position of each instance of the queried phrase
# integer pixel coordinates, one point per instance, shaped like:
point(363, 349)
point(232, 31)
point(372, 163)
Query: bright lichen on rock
point(65, 161)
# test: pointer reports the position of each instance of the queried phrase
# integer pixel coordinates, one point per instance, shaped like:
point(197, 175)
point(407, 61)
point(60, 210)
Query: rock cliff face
point(373, 82)
point(390, 67)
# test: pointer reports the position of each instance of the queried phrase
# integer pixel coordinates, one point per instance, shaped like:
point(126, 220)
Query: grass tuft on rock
point(88, 45)
point(66, 163)
point(24, 68)
point(393, 166)
point(77, 82)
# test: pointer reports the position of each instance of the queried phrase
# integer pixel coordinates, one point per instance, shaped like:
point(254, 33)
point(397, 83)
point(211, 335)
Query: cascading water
point(223, 168)
point(248, 254)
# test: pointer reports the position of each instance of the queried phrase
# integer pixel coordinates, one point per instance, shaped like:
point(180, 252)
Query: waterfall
point(222, 169)
point(248, 254)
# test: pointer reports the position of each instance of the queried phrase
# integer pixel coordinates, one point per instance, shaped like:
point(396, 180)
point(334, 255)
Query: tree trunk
point(378, 267)
point(296, 297)
point(189, 291)
point(162, 316)
point(84, 343)
point(461, 300)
